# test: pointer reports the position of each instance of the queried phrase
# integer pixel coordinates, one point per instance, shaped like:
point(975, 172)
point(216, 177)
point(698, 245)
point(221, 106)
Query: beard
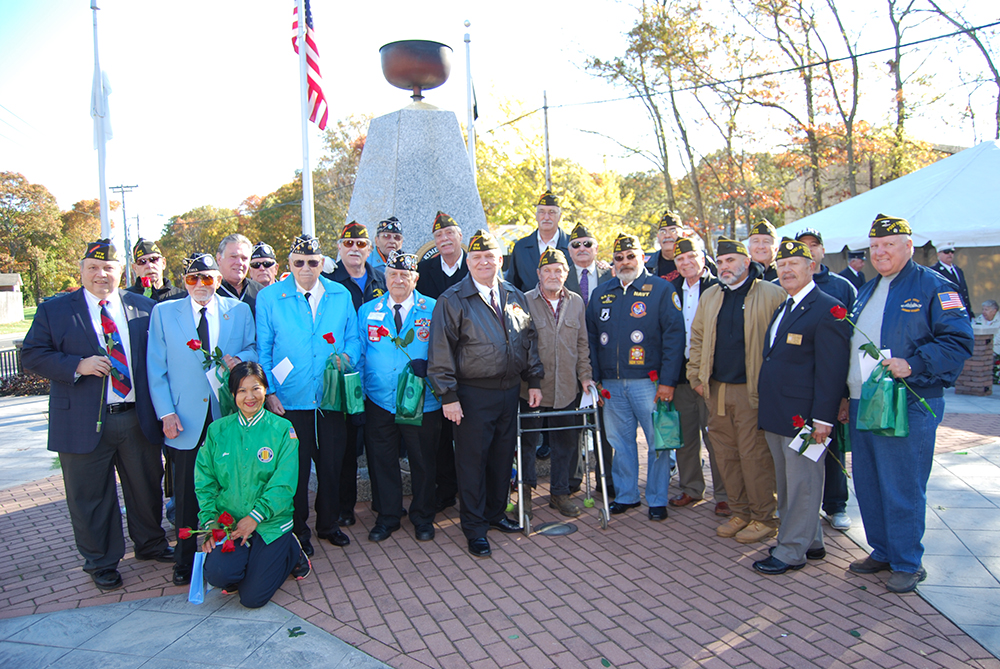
point(628, 276)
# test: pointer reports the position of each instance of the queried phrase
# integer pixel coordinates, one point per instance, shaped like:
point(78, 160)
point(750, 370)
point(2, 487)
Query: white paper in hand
point(814, 452)
point(213, 381)
point(589, 398)
point(282, 370)
point(866, 363)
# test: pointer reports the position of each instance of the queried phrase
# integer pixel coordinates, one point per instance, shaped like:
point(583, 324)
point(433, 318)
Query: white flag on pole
point(99, 106)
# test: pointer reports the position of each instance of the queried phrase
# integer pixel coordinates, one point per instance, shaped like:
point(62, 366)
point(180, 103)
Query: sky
point(205, 100)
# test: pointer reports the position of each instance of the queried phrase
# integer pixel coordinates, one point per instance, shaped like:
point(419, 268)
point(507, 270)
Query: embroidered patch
point(605, 314)
point(291, 433)
point(265, 455)
point(636, 356)
point(677, 302)
point(373, 334)
point(636, 336)
point(951, 300)
point(422, 322)
point(608, 298)
point(377, 292)
point(638, 309)
point(604, 339)
point(647, 286)
point(423, 334)
point(912, 305)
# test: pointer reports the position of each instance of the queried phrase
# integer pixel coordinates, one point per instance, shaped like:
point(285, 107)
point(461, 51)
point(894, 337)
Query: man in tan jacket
point(727, 344)
point(563, 346)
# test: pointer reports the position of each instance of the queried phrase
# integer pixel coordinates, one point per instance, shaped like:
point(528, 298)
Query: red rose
point(653, 376)
point(225, 519)
point(798, 422)
point(605, 393)
point(184, 533)
point(329, 338)
point(839, 312)
point(229, 546)
point(147, 281)
point(194, 345)
point(108, 325)
point(383, 331)
point(218, 535)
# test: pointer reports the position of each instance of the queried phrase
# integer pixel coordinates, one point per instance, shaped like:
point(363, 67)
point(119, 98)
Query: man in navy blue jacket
point(523, 272)
point(91, 344)
point(801, 381)
point(917, 315)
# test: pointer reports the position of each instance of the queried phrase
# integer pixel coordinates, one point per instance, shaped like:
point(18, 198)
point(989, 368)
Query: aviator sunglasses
point(193, 279)
point(301, 263)
point(577, 245)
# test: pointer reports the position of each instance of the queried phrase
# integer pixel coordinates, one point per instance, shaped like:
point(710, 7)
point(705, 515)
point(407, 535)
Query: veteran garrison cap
point(548, 200)
point(354, 230)
point(443, 220)
point(390, 224)
point(102, 249)
point(763, 227)
point(684, 245)
point(725, 246)
point(552, 256)
point(626, 242)
point(262, 250)
point(886, 226)
point(856, 255)
point(400, 260)
point(580, 232)
point(670, 220)
point(482, 240)
point(200, 262)
point(809, 232)
point(790, 248)
point(306, 245)
point(144, 247)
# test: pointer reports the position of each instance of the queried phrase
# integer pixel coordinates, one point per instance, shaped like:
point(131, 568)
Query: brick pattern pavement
point(638, 595)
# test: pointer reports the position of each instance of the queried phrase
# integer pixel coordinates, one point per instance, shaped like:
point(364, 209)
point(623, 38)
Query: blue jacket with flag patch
point(924, 322)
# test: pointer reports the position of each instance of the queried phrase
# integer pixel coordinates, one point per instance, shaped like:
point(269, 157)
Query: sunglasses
point(949, 251)
point(396, 237)
point(351, 243)
point(301, 263)
point(577, 245)
point(266, 264)
point(624, 256)
point(193, 279)
point(148, 260)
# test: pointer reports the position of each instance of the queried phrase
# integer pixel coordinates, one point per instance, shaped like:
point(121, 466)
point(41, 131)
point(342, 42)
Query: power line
point(260, 211)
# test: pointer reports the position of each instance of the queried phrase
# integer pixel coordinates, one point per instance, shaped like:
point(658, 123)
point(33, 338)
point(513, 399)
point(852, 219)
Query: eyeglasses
point(148, 260)
point(266, 264)
point(391, 235)
point(351, 243)
point(193, 279)
point(301, 263)
point(577, 245)
point(949, 251)
point(624, 256)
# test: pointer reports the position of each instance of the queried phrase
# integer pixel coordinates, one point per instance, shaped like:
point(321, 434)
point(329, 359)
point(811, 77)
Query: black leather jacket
point(468, 345)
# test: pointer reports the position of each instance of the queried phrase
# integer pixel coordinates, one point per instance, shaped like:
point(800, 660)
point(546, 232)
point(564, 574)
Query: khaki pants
point(743, 456)
point(694, 423)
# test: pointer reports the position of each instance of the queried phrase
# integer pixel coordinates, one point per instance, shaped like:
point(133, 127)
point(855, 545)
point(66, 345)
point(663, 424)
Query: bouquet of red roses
point(226, 524)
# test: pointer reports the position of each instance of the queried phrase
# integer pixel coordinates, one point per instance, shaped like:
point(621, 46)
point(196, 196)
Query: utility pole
point(128, 246)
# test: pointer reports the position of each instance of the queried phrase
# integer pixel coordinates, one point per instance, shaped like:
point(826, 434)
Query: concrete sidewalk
point(638, 594)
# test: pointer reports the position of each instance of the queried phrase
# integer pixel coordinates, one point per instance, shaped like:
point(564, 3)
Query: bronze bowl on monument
point(416, 65)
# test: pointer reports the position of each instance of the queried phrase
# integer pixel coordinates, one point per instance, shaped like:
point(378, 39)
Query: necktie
point(398, 317)
point(121, 383)
point(203, 331)
point(585, 287)
point(495, 305)
point(789, 305)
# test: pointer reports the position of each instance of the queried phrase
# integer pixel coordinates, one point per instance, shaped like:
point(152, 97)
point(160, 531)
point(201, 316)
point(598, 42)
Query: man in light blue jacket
point(183, 333)
point(301, 321)
point(385, 325)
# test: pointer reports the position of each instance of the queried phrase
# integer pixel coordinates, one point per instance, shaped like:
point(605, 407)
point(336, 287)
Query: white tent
point(954, 201)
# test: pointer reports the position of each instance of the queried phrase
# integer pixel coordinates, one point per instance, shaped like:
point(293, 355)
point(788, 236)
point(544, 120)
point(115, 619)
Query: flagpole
point(99, 112)
point(471, 127)
point(548, 162)
point(308, 215)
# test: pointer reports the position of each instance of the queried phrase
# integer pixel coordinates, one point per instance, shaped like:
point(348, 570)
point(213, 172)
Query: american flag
point(317, 102)
point(951, 300)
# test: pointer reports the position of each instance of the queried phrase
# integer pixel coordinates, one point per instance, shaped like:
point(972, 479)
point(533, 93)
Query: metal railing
point(10, 363)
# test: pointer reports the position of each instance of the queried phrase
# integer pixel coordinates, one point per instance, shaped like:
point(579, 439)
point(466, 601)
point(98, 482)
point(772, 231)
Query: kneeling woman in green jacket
point(248, 467)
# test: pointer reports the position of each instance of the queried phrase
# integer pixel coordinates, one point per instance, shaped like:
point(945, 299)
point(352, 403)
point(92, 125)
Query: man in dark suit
point(853, 273)
point(802, 380)
point(91, 345)
point(233, 258)
point(523, 272)
point(662, 264)
point(947, 268)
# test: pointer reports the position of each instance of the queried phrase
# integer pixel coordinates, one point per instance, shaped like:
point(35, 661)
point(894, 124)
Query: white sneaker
point(839, 521)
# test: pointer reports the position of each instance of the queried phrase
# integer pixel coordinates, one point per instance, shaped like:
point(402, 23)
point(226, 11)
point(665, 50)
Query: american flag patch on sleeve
point(291, 433)
point(951, 300)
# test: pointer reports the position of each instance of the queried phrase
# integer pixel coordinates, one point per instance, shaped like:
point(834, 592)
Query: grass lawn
point(21, 326)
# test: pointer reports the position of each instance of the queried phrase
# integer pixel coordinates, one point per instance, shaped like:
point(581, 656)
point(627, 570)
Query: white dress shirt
point(212, 314)
point(796, 299)
point(315, 293)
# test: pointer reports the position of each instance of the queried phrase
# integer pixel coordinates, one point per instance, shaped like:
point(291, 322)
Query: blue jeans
point(630, 406)
point(890, 479)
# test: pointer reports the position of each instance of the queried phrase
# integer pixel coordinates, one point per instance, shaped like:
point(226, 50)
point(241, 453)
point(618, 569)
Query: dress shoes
point(772, 566)
point(182, 575)
point(346, 519)
point(682, 500)
point(869, 566)
point(480, 547)
point(657, 513)
point(166, 556)
point(307, 546)
point(617, 507)
point(811, 554)
point(445, 503)
point(337, 538)
point(722, 509)
point(107, 579)
point(424, 532)
point(904, 581)
point(380, 532)
point(505, 525)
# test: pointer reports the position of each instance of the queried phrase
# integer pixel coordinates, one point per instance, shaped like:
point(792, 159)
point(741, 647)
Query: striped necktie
point(120, 381)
